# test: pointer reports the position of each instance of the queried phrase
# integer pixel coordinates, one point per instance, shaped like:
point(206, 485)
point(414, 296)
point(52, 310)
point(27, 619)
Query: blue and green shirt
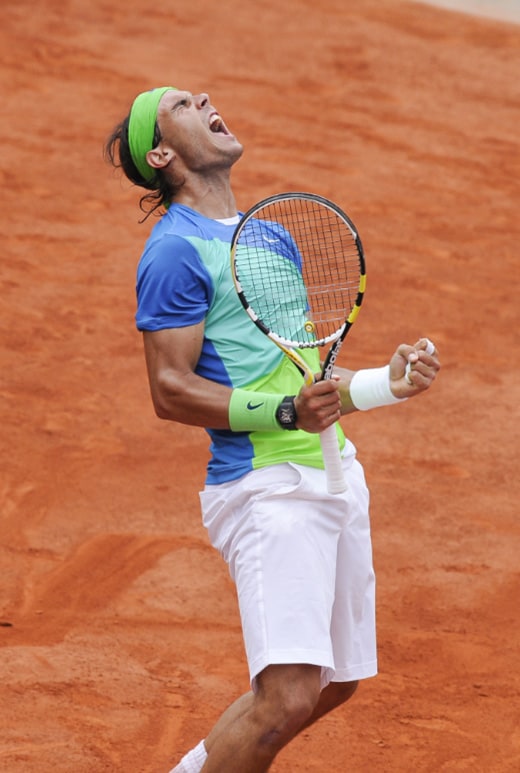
point(183, 278)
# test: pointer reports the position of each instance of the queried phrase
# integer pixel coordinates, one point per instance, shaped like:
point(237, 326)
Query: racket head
point(299, 269)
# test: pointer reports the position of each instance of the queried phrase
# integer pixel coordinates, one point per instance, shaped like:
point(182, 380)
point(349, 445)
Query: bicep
point(175, 349)
point(178, 393)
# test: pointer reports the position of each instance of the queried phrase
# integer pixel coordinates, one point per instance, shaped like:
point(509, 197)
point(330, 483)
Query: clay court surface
point(120, 637)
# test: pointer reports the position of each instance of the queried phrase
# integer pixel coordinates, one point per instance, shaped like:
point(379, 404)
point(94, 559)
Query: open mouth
point(217, 125)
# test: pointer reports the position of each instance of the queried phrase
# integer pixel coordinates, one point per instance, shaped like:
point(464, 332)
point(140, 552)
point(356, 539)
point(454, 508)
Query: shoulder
point(183, 233)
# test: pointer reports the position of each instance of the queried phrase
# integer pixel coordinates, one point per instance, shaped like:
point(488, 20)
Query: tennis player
point(300, 557)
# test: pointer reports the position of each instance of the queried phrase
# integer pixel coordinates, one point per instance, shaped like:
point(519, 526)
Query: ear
point(159, 157)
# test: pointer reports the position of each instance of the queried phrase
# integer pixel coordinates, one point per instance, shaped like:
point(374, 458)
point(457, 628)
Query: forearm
point(345, 377)
point(411, 371)
point(180, 395)
point(365, 389)
point(178, 392)
point(197, 401)
point(190, 399)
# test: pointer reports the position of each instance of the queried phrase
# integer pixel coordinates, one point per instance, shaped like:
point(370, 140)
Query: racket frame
point(335, 479)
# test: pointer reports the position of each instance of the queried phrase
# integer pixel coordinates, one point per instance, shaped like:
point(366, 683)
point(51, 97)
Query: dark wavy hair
point(160, 188)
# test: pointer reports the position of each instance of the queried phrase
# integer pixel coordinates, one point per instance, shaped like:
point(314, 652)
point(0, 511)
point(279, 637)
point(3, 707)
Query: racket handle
point(331, 456)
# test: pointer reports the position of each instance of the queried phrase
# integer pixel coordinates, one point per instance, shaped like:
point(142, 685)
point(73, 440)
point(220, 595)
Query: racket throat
point(330, 360)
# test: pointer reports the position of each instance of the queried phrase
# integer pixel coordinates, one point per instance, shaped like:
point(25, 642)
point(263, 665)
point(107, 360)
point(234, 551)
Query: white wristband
point(371, 389)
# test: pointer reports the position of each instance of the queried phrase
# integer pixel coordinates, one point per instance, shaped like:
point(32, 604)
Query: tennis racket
point(299, 271)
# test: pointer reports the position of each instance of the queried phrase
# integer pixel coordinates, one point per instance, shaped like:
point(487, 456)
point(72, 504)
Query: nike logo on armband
point(251, 406)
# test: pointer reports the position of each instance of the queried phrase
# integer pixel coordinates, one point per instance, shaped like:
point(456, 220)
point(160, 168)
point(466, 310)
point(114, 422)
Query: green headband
point(141, 127)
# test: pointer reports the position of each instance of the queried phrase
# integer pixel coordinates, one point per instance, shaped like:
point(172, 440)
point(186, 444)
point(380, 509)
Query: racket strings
point(298, 264)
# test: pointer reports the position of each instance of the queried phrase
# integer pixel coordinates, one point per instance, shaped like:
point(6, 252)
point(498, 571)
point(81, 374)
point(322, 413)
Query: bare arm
point(424, 370)
point(179, 394)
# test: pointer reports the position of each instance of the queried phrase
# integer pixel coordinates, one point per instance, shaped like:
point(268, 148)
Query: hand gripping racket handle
point(331, 456)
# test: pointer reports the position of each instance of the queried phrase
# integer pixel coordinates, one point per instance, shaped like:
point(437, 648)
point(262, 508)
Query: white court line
point(504, 10)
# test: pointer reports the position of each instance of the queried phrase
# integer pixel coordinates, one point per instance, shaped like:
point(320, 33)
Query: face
point(193, 130)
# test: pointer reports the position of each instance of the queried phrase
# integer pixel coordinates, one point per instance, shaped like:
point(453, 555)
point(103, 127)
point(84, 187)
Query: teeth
point(215, 123)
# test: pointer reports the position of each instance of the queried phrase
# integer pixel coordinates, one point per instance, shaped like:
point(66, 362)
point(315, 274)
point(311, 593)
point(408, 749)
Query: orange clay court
point(119, 628)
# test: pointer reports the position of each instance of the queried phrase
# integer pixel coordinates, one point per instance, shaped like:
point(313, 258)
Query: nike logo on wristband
point(251, 407)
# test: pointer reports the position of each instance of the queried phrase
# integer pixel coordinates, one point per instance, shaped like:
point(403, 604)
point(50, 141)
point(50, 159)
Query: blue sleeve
point(174, 288)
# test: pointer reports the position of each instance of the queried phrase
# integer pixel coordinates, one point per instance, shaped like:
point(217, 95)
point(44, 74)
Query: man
point(300, 557)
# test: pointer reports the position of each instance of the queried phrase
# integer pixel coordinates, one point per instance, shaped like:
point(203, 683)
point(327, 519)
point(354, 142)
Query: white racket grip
point(332, 458)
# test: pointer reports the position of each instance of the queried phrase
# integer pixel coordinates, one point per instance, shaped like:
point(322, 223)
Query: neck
point(213, 198)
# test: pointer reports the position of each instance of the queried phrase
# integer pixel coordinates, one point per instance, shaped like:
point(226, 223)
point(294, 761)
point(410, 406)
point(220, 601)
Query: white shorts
point(301, 560)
